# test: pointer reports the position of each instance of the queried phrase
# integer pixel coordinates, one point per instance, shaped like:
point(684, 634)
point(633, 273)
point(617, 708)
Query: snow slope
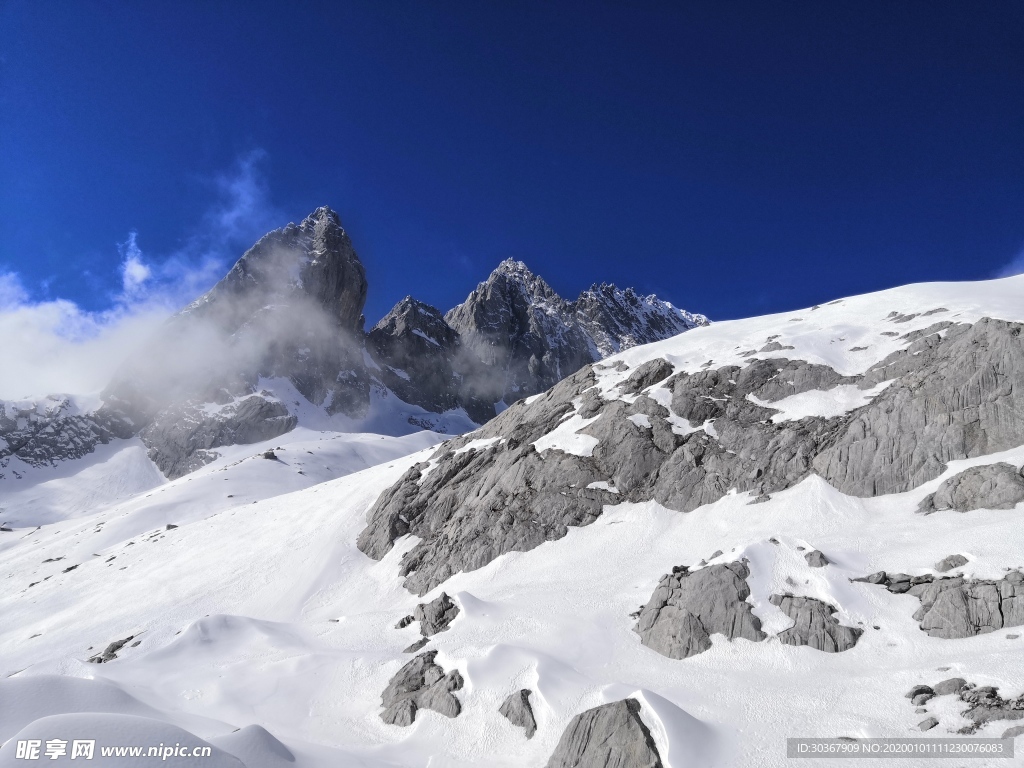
point(261, 611)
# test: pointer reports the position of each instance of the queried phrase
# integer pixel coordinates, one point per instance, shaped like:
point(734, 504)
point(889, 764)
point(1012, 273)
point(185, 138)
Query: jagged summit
point(515, 321)
point(286, 323)
point(313, 260)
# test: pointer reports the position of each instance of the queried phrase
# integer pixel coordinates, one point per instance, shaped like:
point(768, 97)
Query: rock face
point(610, 736)
point(290, 308)
point(515, 323)
point(517, 710)
point(992, 486)
point(422, 360)
point(690, 606)
point(951, 396)
point(814, 625)
point(45, 431)
point(957, 607)
point(436, 615)
point(955, 398)
point(420, 684)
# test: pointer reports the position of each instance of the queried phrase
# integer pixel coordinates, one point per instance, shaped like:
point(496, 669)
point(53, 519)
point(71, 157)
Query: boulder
point(420, 684)
point(814, 625)
point(436, 615)
point(689, 606)
point(609, 736)
point(990, 486)
point(517, 710)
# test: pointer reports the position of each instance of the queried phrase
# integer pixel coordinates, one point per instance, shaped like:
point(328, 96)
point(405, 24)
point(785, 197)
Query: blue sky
point(735, 158)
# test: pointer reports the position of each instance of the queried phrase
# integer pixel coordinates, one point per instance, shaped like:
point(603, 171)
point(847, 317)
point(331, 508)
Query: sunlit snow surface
point(259, 610)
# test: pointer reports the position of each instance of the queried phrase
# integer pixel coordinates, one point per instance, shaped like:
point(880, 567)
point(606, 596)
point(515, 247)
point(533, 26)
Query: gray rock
point(417, 646)
point(816, 559)
point(609, 736)
point(646, 375)
point(927, 724)
point(420, 684)
point(991, 486)
point(1012, 733)
point(688, 607)
point(404, 622)
point(477, 505)
point(952, 685)
point(814, 625)
point(954, 399)
point(436, 615)
point(181, 439)
point(922, 698)
point(517, 710)
point(917, 690)
point(950, 562)
point(110, 652)
point(956, 607)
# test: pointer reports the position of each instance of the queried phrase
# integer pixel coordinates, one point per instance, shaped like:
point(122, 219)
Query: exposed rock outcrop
point(957, 607)
point(436, 615)
point(422, 360)
point(814, 625)
point(984, 704)
point(991, 486)
point(950, 562)
point(689, 606)
point(610, 736)
point(517, 710)
point(421, 684)
point(951, 397)
point(816, 559)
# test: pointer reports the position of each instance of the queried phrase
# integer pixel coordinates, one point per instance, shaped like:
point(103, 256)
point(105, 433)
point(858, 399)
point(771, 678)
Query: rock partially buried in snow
point(517, 710)
point(690, 606)
point(814, 625)
point(946, 687)
point(608, 736)
point(955, 607)
point(420, 684)
point(950, 562)
point(927, 724)
point(991, 486)
point(816, 559)
point(436, 615)
point(647, 375)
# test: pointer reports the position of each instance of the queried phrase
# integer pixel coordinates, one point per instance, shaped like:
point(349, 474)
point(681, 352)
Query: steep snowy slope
point(571, 577)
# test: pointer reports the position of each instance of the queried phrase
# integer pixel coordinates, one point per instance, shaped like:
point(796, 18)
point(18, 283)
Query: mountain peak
point(323, 214)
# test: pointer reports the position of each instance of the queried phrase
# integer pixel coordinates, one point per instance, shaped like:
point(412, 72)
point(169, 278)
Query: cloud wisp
point(56, 346)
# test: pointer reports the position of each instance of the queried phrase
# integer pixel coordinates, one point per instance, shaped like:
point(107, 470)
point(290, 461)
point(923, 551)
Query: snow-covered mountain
point(282, 337)
point(805, 524)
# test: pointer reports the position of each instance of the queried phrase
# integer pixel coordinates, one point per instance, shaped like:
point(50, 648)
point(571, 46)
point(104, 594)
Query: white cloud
point(134, 272)
point(55, 346)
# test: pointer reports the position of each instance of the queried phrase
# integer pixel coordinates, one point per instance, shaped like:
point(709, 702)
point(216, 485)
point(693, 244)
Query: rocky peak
point(413, 317)
point(310, 262)
point(617, 319)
